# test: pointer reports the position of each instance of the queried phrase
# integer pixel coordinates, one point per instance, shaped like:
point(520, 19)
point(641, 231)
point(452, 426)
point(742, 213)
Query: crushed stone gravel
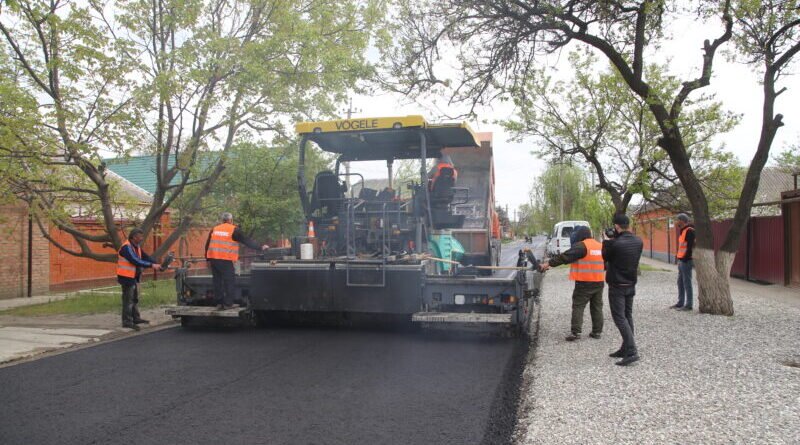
point(703, 379)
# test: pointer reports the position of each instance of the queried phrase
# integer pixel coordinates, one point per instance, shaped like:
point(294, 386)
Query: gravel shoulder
point(702, 379)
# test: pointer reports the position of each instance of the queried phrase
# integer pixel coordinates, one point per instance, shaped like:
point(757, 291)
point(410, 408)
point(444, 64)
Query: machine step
point(460, 318)
point(203, 311)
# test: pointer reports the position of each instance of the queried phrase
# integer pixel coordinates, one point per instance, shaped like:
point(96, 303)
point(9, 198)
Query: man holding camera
point(622, 253)
point(586, 270)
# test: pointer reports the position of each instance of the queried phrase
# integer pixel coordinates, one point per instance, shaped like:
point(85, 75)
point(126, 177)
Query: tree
point(259, 186)
point(789, 160)
point(168, 78)
point(498, 41)
point(596, 119)
point(561, 193)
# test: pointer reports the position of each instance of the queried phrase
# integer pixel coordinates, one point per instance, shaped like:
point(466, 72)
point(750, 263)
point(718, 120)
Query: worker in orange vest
point(443, 162)
point(685, 263)
point(222, 250)
point(587, 270)
point(131, 259)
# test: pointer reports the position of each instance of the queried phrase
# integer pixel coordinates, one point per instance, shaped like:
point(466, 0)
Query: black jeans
point(620, 298)
point(224, 276)
point(130, 304)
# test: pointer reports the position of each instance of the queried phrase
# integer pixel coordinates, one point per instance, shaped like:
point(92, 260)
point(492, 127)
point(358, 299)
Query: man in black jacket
point(622, 254)
point(586, 271)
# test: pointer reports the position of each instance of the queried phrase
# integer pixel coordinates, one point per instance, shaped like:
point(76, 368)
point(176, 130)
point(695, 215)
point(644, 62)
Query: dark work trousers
point(130, 304)
point(685, 283)
point(224, 281)
point(587, 292)
point(620, 298)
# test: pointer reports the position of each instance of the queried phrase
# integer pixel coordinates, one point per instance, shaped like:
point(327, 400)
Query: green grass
point(648, 268)
point(152, 294)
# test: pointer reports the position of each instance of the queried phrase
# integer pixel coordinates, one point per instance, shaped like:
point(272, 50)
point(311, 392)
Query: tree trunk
point(713, 272)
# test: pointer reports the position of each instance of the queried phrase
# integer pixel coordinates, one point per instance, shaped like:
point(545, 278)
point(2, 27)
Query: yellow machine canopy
point(383, 138)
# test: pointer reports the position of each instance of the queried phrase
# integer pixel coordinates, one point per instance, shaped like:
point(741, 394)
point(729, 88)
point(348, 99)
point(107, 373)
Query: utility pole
point(561, 188)
point(350, 110)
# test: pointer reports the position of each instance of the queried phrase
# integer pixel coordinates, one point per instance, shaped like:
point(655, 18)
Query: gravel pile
point(702, 379)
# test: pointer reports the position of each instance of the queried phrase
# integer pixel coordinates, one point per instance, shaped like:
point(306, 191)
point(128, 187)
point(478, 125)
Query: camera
point(610, 232)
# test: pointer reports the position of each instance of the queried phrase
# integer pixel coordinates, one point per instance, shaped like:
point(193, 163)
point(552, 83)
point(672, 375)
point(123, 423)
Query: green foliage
point(595, 119)
point(177, 79)
point(563, 192)
point(259, 186)
point(789, 160)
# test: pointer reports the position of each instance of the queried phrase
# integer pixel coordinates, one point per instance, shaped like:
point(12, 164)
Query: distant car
point(559, 240)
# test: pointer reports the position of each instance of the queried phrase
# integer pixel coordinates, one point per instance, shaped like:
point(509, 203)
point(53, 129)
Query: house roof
point(130, 188)
point(772, 182)
point(140, 170)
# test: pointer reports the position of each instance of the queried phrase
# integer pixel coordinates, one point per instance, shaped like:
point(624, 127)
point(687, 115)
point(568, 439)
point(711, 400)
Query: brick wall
point(14, 245)
point(69, 272)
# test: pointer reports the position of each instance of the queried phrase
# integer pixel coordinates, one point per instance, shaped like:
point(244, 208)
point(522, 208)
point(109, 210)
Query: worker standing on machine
point(222, 250)
point(442, 163)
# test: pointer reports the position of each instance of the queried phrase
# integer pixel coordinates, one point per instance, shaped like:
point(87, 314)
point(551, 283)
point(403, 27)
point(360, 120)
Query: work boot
point(595, 336)
point(675, 306)
point(573, 337)
point(141, 321)
point(686, 309)
point(628, 360)
point(131, 326)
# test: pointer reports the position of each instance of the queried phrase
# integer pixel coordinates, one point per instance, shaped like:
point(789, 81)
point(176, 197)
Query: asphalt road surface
point(271, 386)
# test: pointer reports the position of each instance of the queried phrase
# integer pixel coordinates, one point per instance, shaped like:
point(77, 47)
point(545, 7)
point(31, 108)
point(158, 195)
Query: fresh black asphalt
point(271, 386)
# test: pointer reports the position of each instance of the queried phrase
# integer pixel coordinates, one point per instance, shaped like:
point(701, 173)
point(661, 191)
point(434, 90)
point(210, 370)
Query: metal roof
point(371, 139)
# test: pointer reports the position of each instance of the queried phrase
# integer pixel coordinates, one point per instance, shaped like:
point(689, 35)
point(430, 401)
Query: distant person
point(131, 259)
point(622, 254)
point(686, 241)
point(585, 257)
point(222, 250)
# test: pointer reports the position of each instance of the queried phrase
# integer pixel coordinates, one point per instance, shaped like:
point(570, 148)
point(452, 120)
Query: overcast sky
point(734, 84)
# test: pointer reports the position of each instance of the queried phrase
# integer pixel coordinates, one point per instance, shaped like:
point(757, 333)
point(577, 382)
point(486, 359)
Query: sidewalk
point(26, 337)
point(702, 379)
point(775, 292)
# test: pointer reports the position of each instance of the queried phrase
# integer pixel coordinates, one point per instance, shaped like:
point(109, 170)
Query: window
point(566, 231)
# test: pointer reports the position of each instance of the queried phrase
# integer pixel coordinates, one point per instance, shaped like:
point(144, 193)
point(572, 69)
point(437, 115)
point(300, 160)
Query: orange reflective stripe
point(591, 267)
point(222, 246)
point(124, 267)
point(683, 245)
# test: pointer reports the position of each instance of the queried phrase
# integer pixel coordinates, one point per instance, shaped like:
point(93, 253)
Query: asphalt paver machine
point(376, 254)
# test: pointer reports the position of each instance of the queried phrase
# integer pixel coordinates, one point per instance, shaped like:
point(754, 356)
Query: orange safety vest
point(590, 267)
point(438, 172)
point(222, 246)
point(124, 267)
point(683, 246)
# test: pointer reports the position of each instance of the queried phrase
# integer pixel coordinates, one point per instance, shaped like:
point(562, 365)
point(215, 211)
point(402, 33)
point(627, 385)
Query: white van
point(559, 239)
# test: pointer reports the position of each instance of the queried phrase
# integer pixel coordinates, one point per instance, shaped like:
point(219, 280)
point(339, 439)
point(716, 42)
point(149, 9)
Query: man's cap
point(622, 220)
point(682, 217)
